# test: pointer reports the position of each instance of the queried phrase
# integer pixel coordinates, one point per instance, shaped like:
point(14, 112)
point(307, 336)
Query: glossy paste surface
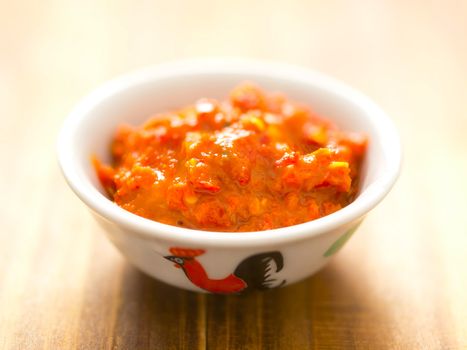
point(255, 161)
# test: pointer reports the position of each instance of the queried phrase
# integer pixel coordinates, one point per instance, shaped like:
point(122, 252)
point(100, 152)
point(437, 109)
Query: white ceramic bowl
point(219, 261)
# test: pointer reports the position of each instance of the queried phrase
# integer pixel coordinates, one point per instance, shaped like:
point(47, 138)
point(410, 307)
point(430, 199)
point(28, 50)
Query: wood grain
point(400, 283)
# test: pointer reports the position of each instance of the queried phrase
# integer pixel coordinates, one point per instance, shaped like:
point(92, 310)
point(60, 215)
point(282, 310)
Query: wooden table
point(400, 283)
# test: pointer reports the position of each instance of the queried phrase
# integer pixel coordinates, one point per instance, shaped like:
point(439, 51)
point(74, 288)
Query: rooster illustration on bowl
point(258, 271)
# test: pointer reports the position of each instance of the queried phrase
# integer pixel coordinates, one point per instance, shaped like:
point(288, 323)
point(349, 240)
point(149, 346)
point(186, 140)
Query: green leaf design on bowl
point(337, 245)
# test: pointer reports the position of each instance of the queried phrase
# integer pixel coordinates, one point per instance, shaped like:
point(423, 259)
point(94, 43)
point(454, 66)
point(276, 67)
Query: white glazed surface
point(302, 258)
point(133, 98)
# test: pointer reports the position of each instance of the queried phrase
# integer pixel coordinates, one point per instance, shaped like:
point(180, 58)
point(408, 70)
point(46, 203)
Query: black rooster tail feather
point(258, 271)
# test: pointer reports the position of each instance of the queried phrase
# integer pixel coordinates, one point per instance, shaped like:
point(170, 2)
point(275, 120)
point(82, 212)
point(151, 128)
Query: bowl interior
point(133, 98)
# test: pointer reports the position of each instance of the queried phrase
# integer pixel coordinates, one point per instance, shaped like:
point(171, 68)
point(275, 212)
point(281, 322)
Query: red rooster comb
point(186, 252)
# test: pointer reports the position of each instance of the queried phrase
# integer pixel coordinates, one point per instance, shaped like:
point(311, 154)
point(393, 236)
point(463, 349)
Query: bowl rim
point(149, 229)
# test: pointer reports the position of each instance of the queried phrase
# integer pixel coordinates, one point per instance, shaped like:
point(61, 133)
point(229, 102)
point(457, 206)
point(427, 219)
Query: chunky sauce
point(254, 162)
